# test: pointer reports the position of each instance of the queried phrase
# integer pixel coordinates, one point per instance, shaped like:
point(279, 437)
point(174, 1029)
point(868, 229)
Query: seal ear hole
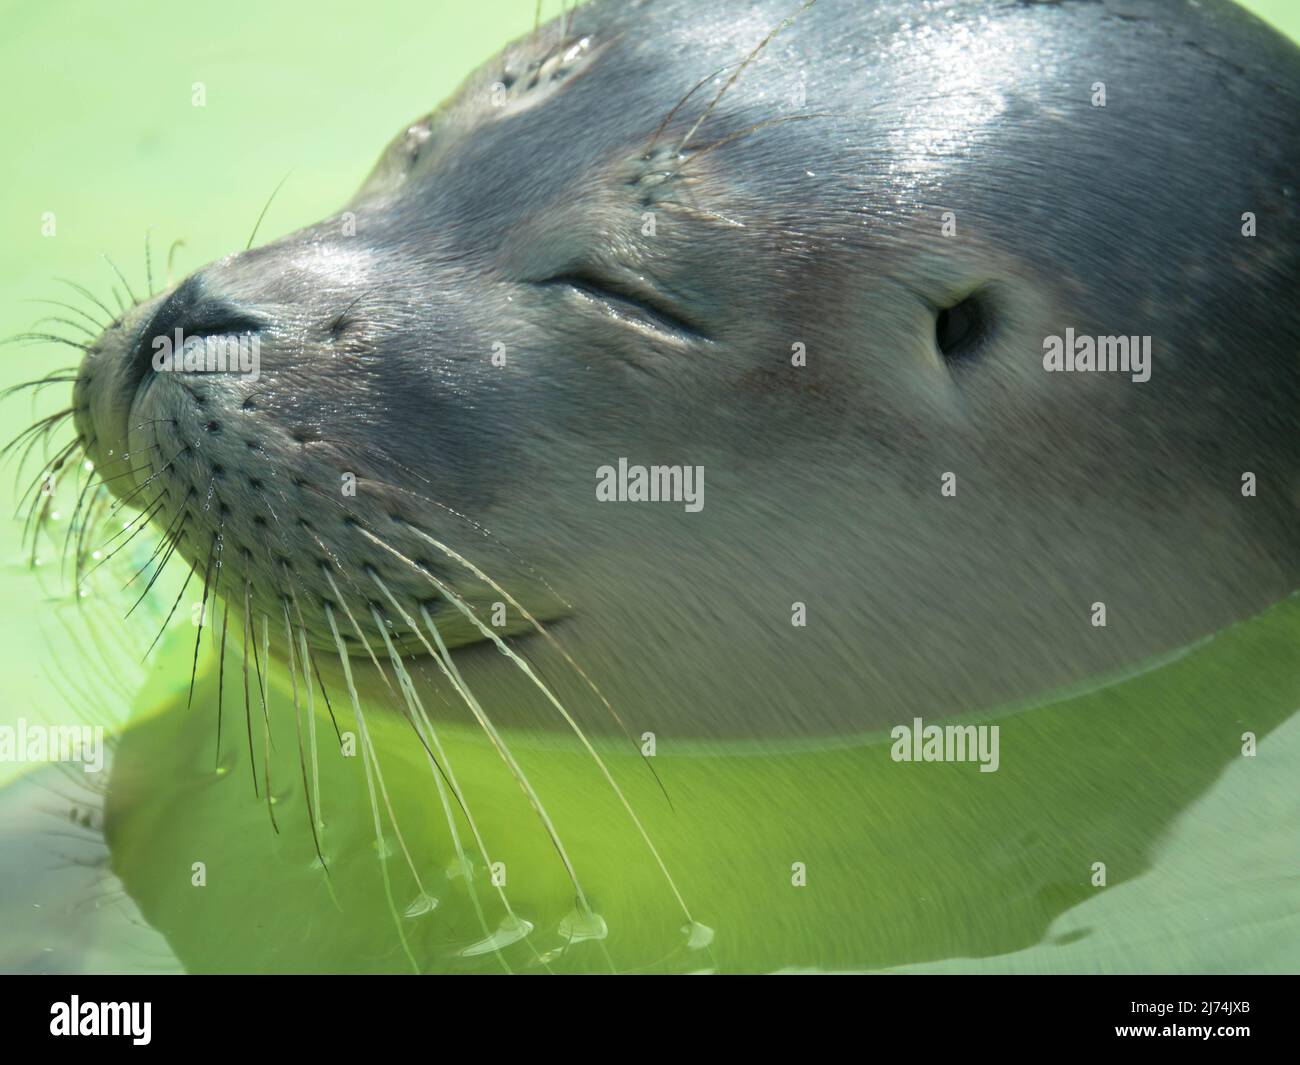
point(964, 328)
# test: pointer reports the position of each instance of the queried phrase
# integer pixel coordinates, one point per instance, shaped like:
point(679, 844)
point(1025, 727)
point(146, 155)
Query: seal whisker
point(415, 708)
point(383, 791)
point(162, 564)
point(41, 383)
point(221, 673)
point(248, 709)
point(203, 609)
point(140, 521)
point(409, 687)
point(269, 200)
point(126, 499)
point(179, 595)
point(47, 480)
point(654, 140)
point(450, 671)
point(543, 631)
point(164, 548)
point(49, 469)
point(443, 660)
point(743, 133)
point(99, 326)
point(71, 323)
point(342, 601)
point(482, 530)
point(740, 70)
point(304, 657)
point(117, 476)
point(171, 254)
point(74, 533)
point(148, 261)
point(527, 670)
point(91, 521)
point(263, 683)
point(122, 277)
point(367, 756)
point(297, 724)
point(307, 658)
point(42, 427)
point(51, 338)
point(179, 516)
point(90, 296)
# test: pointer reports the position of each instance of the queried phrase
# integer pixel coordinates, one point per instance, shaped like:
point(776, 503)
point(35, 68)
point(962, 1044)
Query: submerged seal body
point(826, 287)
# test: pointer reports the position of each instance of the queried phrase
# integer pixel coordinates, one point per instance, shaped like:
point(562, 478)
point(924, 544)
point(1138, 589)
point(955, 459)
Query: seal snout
point(186, 329)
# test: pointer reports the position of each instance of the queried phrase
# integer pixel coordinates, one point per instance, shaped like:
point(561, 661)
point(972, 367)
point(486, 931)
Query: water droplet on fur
point(225, 764)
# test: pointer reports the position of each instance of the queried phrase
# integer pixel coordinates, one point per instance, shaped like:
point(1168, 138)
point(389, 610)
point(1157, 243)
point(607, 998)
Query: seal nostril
point(963, 328)
point(187, 313)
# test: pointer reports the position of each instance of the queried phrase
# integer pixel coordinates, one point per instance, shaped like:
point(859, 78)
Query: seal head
point(822, 277)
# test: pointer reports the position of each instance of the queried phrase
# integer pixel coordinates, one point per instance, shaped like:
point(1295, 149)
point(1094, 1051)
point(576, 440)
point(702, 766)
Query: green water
point(904, 863)
point(930, 866)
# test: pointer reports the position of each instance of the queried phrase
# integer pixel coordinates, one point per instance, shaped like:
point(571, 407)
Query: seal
point(795, 373)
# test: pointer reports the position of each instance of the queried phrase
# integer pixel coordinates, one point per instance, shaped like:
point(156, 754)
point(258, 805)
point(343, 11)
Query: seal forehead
point(523, 77)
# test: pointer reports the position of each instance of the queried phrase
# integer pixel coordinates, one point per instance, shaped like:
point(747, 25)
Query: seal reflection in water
point(961, 322)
